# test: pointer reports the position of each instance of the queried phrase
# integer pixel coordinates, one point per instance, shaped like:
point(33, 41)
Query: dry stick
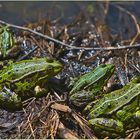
point(69, 46)
point(32, 131)
point(74, 22)
point(84, 125)
point(65, 133)
point(25, 56)
point(132, 65)
point(55, 124)
point(31, 134)
point(37, 43)
point(37, 33)
point(25, 129)
point(81, 121)
point(126, 65)
point(31, 128)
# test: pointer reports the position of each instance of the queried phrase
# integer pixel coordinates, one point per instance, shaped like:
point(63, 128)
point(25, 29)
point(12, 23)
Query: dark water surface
point(23, 12)
point(32, 11)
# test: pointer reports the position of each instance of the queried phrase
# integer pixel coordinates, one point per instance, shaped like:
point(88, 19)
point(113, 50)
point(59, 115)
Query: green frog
point(91, 84)
point(8, 45)
point(18, 80)
point(117, 111)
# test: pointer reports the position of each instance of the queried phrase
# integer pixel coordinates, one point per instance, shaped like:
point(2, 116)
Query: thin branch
point(67, 45)
point(109, 48)
point(26, 55)
point(133, 65)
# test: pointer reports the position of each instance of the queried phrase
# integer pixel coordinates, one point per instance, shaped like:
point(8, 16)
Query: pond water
point(25, 12)
point(21, 13)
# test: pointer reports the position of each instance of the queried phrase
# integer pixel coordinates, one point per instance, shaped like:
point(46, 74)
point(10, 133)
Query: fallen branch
point(61, 107)
point(81, 121)
point(65, 133)
point(26, 55)
point(133, 65)
point(109, 48)
point(67, 45)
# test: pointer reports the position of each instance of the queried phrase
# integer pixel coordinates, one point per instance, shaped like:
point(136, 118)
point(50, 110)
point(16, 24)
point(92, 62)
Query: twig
point(61, 107)
point(37, 33)
point(65, 133)
point(132, 65)
point(81, 121)
point(84, 125)
point(69, 46)
point(30, 125)
point(26, 55)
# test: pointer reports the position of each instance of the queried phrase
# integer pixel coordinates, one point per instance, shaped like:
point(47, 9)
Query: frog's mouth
point(57, 69)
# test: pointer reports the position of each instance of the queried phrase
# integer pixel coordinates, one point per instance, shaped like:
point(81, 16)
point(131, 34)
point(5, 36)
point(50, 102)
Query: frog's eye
point(103, 65)
point(7, 29)
point(50, 68)
point(50, 60)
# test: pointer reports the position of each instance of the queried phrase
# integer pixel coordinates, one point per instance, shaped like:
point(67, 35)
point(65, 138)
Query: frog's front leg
point(40, 92)
point(81, 98)
point(105, 127)
point(137, 116)
point(9, 100)
point(13, 52)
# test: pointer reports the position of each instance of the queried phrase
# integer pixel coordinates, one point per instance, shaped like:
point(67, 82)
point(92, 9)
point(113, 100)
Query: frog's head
point(4, 29)
point(54, 66)
point(105, 71)
point(108, 69)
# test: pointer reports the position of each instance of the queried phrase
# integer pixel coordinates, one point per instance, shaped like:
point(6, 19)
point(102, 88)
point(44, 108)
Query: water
point(23, 12)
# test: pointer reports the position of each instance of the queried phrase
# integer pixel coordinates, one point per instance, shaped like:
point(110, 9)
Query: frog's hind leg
point(105, 127)
point(9, 100)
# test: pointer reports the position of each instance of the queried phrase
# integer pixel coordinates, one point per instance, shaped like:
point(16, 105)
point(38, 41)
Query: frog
point(90, 85)
point(117, 112)
point(8, 45)
point(18, 81)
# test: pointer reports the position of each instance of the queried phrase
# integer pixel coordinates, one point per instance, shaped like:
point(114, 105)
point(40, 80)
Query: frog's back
point(98, 76)
point(113, 101)
point(23, 68)
point(26, 67)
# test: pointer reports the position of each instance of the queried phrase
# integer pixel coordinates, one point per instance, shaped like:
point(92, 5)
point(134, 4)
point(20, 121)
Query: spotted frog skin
point(117, 111)
point(8, 45)
point(90, 85)
point(18, 80)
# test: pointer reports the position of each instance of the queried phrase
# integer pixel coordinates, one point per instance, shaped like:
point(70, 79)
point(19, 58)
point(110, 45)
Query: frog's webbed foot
point(137, 116)
point(9, 100)
point(40, 92)
point(107, 127)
